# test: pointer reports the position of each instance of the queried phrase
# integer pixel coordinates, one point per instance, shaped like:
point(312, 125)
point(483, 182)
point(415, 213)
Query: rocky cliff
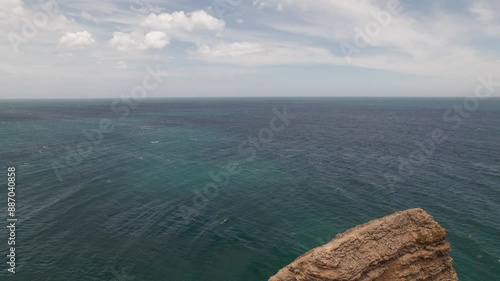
point(407, 245)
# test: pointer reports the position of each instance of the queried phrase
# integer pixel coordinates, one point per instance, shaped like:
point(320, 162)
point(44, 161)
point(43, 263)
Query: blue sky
point(88, 49)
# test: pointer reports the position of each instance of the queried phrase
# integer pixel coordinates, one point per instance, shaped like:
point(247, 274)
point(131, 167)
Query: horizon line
point(232, 97)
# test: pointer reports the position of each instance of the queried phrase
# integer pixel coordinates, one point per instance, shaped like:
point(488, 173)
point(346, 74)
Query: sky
point(232, 48)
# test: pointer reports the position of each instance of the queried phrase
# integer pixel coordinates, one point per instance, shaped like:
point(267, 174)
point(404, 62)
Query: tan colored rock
point(407, 245)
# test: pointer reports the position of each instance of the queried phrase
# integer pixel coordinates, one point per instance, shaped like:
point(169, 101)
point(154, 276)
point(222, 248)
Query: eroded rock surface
point(407, 245)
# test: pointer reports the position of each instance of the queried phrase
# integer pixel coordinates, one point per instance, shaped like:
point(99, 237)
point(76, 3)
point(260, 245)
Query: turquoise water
point(173, 192)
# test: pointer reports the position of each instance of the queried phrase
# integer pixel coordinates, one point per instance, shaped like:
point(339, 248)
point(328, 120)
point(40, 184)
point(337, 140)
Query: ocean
point(234, 189)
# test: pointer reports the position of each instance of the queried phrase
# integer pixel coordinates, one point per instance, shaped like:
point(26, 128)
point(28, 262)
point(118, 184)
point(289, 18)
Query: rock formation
point(407, 245)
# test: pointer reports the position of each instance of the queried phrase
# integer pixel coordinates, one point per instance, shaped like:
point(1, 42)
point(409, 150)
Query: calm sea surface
point(223, 189)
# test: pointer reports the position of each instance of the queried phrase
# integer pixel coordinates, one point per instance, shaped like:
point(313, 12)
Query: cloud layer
point(439, 48)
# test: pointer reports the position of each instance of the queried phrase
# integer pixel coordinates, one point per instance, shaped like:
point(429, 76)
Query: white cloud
point(127, 41)
point(181, 21)
point(236, 49)
point(122, 41)
point(453, 44)
point(155, 39)
point(30, 20)
point(280, 5)
point(156, 30)
point(425, 45)
point(143, 7)
point(87, 16)
point(483, 12)
point(77, 40)
point(12, 7)
point(121, 65)
point(261, 4)
point(258, 54)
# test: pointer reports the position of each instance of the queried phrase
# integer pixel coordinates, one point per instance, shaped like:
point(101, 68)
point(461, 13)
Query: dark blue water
point(209, 190)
